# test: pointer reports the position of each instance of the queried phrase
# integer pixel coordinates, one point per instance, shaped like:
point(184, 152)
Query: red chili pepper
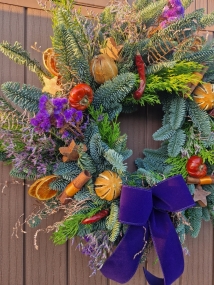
point(98, 216)
point(195, 167)
point(142, 73)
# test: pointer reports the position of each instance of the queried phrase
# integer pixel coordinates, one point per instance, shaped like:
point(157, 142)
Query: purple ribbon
point(146, 213)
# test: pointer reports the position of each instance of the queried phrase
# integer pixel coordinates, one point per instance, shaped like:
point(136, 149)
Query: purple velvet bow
point(146, 211)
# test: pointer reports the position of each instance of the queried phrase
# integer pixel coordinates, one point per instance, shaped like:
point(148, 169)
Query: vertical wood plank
point(199, 265)
point(202, 4)
point(78, 269)
point(191, 8)
point(48, 265)
point(210, 10)
point(12, 198)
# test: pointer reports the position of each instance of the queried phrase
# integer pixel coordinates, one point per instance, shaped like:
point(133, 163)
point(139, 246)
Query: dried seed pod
point(108, 185)
point(103, 68)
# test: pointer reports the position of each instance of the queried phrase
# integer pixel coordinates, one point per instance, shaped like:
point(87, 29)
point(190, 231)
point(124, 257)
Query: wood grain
point(78, 270)
point(84, 5)
point(48, 265)
point(12, 198)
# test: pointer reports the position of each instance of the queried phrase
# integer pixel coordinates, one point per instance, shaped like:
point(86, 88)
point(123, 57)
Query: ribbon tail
point(153, 280)
point(168, 247)
point(123, 263)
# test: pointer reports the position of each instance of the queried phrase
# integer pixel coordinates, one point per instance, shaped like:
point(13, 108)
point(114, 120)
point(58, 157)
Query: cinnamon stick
point(202, 181)
point(200, 76)
point(74, 186)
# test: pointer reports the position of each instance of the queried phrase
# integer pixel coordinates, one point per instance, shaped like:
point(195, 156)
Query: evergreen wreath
point(66, 136)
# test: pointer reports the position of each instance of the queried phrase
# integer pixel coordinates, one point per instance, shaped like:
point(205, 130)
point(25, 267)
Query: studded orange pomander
point(108, 185)
point(204, 96)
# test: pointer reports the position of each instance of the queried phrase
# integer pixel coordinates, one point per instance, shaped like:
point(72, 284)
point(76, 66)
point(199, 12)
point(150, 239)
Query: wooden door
point(21, 264)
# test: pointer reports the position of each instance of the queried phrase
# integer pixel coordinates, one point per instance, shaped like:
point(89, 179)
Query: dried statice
point(97, 246)
point(38, 155)
point(56, 113)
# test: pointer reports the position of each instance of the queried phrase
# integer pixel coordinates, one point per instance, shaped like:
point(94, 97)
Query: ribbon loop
point(135, 205)
point(172, 195)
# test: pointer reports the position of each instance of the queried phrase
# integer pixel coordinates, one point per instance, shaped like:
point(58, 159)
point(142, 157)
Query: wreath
point(66, 136)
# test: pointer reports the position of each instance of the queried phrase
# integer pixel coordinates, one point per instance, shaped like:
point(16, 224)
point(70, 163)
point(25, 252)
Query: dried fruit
point(195, 167)
point(103, 68)
point(108, 185)
point(204, 96)
point(42, 191)
point(49, 61)
point(81, 96)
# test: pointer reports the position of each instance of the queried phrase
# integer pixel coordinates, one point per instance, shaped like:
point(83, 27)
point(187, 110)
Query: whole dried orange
point(40, 188)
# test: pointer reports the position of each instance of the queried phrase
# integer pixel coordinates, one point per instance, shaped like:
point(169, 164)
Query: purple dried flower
point(42, 103)
point(69, 113)
point(172, 12)
point(55, 112)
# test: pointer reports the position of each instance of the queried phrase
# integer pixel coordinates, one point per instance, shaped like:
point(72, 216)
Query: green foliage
point(186, 3)
point(150, 13)
point(26, 97)
point(22, 174)
point(116, 160)
point(115, 231)
point(70, 226)
point(67, 168)
point(109, 130)
point(169, 77)
point(154, 160)
point(152, 178)
point(205, 214)
point(177, 112)
point(199, 118)
point(176, 143)
point(194, 216)
point(72, 59)
point(164, 133)
point(20, 56)
point(178, 166)
point(112, 92)
point(207, 20)
point(140, 4)
point(85, 162)
point(112, 217)
point(59, 184)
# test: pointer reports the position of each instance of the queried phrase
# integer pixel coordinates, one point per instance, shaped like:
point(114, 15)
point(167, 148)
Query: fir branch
point(115, 231)
point(72, 56)
point(116, 160)
point(186, 3)
point(176, 143)
point(199, 118)
point(150, 13)
point(26, 97)
point(112, 217)
point(177, 112)
point(194, 216)
point(112, 92)
point(20, 56)
point(207, 20)
point(164, 133)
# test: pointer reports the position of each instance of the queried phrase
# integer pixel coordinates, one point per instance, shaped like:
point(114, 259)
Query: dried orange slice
point(49, 60)
point(32, 189)
point(43, 192)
